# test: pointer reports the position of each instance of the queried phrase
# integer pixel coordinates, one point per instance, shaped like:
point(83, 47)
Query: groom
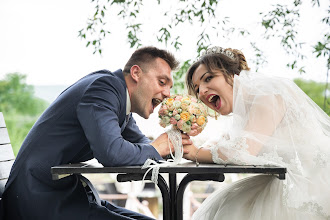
point(90, 119)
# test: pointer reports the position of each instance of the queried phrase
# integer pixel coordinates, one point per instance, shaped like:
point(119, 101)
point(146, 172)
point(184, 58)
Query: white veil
point(274, 122)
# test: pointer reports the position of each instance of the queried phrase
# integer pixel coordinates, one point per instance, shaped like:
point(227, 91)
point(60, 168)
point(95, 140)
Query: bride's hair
point(229, 61)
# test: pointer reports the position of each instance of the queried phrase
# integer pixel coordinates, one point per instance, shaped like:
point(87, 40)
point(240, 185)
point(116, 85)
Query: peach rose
point(171, 107)
point(185, 100)
point(169, 101)
point(185, 116)
point(201, 120)
point(184, 106)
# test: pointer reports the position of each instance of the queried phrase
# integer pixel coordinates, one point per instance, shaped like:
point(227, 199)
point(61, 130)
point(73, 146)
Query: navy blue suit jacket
point(87, 120)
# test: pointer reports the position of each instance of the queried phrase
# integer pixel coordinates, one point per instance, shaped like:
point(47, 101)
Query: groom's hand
point(163, 145)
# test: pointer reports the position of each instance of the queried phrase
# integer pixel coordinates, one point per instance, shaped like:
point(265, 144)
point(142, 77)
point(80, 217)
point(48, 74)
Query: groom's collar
point(119, 73)
point(128, 103)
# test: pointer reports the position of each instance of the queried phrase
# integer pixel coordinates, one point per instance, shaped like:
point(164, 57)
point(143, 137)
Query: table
point(172, 193)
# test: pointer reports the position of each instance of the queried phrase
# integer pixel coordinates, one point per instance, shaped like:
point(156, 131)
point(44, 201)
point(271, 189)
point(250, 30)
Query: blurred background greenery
point(21, 108)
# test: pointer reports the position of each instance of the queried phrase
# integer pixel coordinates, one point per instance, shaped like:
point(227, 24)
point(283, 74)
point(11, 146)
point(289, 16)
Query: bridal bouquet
point(183, 112)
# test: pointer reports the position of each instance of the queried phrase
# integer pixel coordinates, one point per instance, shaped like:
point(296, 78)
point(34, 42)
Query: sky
point(39, 38)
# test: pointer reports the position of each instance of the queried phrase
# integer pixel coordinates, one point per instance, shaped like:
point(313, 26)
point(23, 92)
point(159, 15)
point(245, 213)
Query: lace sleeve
point(249, 135)
point(229, 151)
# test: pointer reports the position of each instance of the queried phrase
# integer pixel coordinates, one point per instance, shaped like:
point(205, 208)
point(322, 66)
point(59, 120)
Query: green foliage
point(179, 78)
point(281, 22)
point(316, 91)
point(19, 106)
point(18, 127)
point(18, 97)
point(194, 12)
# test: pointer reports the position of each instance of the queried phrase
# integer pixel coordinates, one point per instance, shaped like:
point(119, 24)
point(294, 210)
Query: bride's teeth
point(211, 97)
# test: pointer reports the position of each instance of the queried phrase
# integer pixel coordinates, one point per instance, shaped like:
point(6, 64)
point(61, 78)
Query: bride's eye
point(207, 79)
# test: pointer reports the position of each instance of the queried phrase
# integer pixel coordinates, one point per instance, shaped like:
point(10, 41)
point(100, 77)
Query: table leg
point(173, 188)
point(281, 176)
point(162, 185)
point(183, 184)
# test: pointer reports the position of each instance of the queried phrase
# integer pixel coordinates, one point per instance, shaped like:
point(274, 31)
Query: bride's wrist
point(196, 156)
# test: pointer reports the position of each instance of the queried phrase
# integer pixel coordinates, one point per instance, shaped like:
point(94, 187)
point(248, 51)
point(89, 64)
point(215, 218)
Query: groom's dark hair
point(144, 57)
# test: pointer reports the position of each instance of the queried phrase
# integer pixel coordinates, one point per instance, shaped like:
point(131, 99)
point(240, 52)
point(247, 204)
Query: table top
point(185, 167)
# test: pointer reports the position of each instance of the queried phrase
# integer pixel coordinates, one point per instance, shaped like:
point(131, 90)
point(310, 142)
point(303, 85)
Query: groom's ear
point(136, 72)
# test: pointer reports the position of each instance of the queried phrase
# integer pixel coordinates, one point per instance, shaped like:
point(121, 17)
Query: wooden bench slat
point(2, 121)
point(6, 152)
point(4, 137)
point(5, 167)
point(7, 156)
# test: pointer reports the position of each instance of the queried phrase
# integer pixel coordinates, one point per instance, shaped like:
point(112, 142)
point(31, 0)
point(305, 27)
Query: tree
point(18, 97)
point(316, 92)
point(19, 106)
point(280, 22)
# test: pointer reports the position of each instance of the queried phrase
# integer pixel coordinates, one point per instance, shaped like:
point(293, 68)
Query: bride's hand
point(189, 151)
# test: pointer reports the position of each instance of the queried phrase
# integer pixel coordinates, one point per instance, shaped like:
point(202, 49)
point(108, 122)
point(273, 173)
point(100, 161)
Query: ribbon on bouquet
point(174, 136)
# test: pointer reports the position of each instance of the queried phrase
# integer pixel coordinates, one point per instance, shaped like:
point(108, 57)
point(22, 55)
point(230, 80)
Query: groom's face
point(153, 86)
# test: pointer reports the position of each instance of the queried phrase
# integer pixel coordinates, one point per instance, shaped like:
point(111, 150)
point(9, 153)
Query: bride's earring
point(212, 113)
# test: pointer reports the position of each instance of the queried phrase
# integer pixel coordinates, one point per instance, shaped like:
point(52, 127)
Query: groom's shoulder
point(113, 81)
point(112, 77)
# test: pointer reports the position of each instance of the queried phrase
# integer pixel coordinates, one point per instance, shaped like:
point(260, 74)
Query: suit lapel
point(119, 74)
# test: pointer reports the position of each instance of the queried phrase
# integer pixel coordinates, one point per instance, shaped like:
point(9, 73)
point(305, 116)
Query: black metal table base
point(162, 185)
point(173, 195)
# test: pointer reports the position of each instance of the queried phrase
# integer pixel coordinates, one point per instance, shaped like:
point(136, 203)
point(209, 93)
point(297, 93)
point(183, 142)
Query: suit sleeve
point(133, 134)
point(98, 112)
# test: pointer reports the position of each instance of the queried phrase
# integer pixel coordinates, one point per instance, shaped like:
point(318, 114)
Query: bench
point(7, 156)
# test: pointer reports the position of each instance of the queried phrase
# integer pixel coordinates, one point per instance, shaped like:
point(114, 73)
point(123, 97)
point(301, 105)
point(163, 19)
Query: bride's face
point(213, 90)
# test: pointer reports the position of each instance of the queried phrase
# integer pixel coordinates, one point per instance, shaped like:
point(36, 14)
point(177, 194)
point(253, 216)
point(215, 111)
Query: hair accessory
point(219, 50)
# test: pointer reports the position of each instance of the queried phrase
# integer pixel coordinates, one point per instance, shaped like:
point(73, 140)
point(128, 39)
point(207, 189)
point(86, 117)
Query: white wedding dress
point(276, 121)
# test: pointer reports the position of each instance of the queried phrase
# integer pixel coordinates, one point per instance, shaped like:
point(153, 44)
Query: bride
point(274, 123)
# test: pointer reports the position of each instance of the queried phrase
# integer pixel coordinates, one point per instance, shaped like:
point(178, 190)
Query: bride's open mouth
point(155, 102)
point(215, 101)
